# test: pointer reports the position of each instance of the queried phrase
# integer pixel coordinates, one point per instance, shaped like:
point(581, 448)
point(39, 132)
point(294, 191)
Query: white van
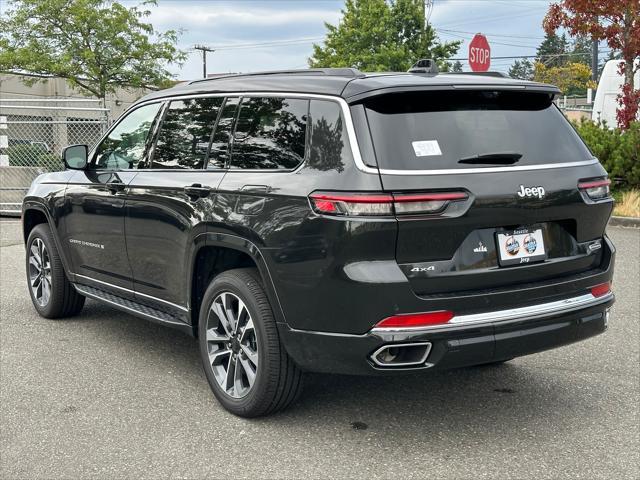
point(609, 87)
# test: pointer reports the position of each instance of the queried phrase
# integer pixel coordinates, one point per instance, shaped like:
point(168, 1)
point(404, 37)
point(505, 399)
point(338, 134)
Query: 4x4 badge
point(480, 248)
point(430, 268)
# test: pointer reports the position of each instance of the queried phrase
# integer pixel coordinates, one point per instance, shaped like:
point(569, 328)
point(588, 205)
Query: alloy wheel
point(40, 272)
point(232, 345)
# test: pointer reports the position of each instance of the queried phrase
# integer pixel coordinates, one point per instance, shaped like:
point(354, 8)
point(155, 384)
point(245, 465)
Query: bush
point(27, 155)
point(618, 151)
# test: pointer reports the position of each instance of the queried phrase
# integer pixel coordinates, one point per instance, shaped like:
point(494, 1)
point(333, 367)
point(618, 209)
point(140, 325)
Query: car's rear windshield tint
point(436, 129)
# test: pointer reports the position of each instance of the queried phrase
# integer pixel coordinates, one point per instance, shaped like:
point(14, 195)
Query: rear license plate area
point(520, 246)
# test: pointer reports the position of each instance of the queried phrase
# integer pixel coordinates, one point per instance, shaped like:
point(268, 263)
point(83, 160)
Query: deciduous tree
point(97, 46)
point(376, 35)
point(615, 21)
point(571, 78)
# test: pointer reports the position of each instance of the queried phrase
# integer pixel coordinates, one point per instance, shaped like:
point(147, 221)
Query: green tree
point(457, 67)
point(572, 78)
point(581, 50)
point(376, 35)
point(96, 45)
point(553, 49)
point(522, 69)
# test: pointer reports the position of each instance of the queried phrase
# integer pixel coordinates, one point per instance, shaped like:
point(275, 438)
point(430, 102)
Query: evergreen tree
point(552, 51)
point(522, 69)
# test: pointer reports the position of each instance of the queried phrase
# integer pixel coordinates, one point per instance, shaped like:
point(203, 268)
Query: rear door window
point(447, 129)
point(270, 133)
point(185, 132)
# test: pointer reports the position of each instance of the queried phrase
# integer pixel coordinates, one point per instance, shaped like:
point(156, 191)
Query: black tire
point(63, 300)
point(278, 381)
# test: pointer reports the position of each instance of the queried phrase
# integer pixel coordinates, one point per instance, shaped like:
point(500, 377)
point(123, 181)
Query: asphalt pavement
point(107, 395)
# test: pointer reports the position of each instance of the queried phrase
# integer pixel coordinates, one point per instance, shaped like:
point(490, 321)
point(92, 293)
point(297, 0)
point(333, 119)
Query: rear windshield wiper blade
point(497, 158)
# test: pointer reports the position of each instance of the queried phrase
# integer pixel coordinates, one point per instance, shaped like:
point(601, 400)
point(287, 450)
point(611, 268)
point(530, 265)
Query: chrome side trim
point(422, 361)
point(460, 171)
point(346, 112)
point(179, 307)
point(531, 312)
point(351, 132)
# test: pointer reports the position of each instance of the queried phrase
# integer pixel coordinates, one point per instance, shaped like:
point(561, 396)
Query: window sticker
point(426, 148)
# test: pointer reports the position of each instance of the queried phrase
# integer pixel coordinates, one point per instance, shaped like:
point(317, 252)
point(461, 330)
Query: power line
point(492, 34)
point(492, 41)
point(273, 43)
point(517, 57)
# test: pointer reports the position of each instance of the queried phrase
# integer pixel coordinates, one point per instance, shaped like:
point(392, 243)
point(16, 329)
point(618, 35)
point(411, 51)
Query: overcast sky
point(513, 27)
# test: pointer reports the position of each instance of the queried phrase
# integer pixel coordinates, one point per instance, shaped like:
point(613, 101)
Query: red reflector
point(416, 319)
point(600, 290)
point(325, 206)
point(594, 184)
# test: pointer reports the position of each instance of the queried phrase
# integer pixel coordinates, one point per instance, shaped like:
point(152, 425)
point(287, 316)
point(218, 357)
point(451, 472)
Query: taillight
point(601, 290)
point(595, 189)
point(357, 204)
point(352, 204)
point(412, 204)
point(416, 319)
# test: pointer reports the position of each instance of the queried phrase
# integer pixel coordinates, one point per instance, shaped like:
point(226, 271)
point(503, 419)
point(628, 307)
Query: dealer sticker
point(426, 148)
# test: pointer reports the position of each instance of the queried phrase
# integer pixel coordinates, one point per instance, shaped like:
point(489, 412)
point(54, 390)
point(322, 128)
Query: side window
point(219, 154)
point(329, 147)
point(185, 133)
point(125, 146)
point(270, 133)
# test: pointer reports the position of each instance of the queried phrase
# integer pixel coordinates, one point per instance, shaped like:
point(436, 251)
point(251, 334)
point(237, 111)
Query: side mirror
point(76, 157)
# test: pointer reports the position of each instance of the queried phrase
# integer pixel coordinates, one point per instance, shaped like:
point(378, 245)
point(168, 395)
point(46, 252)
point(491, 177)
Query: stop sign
point(479, 53)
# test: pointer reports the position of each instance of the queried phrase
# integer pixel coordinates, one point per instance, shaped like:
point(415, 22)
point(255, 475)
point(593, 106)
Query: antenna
point(204, 49)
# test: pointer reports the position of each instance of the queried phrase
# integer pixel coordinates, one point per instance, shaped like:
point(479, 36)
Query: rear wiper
point(497, 158)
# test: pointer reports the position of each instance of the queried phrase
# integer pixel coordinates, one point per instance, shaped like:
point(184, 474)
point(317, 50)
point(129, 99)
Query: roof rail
point(330, 72)
point(478, 74)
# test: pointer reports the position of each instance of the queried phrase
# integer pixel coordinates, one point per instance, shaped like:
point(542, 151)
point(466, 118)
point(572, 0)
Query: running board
point(134, 308)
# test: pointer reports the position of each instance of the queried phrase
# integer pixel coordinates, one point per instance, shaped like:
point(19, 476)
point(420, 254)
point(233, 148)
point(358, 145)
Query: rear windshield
point(437, 129)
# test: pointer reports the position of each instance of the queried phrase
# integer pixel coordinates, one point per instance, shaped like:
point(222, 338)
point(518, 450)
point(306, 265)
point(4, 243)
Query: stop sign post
point(479, 53)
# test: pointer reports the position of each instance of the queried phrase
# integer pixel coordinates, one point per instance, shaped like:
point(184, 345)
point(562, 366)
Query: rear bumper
point(483, 338)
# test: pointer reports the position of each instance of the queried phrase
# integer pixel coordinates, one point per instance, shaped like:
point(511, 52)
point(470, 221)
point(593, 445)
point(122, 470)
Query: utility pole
point(204, 51)
point(594, 60)
point(594, 57)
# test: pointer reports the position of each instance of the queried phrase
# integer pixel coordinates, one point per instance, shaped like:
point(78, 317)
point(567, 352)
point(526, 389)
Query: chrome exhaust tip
point(402, 354)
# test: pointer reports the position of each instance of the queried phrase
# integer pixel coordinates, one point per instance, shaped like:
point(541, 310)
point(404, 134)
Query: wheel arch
point(34, 214)
point(215, 253)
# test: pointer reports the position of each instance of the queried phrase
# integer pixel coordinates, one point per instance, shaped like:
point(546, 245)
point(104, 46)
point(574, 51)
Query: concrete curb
point(616, 221)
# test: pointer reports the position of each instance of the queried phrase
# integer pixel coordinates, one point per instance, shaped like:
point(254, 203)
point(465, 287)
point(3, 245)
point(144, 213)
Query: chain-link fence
point(33, 133)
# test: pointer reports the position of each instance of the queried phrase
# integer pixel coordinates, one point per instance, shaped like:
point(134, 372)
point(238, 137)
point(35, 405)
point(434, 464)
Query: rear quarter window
point(270, 133)
point(434, 130)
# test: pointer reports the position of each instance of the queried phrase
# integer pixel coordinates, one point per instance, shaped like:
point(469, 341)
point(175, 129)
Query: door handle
point(196, 191)
point(115, 186)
